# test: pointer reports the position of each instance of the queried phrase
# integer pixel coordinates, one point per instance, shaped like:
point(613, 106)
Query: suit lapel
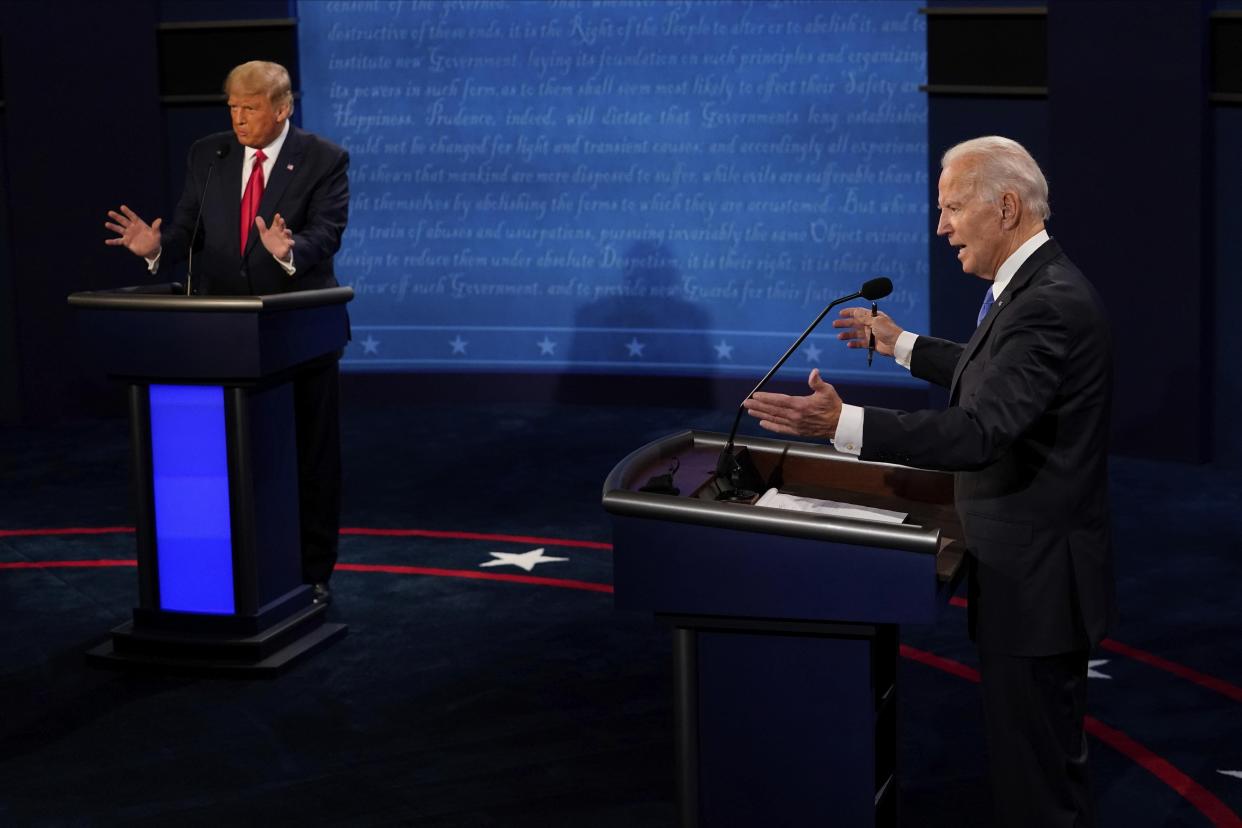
point(1045, 253)
point(286, 167)
point(227, 188)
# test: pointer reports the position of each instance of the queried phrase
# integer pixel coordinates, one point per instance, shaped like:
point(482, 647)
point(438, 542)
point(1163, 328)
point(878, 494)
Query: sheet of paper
point(780, 500)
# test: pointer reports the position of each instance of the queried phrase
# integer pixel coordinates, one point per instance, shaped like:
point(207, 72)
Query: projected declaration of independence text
point(647, 187)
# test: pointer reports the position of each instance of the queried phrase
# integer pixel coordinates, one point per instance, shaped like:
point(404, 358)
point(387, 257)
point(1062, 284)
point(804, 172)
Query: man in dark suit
point(274, 201)
point(1026, 431)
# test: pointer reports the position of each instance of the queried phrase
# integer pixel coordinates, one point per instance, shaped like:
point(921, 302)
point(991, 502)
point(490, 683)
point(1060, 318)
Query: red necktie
point(251, 198)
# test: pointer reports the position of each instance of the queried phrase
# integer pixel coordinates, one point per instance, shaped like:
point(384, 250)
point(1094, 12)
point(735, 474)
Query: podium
point(214, 471)
point(784, 622)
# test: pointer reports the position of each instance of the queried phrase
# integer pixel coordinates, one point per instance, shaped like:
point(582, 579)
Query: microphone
point(736, 469)
point(221, 152)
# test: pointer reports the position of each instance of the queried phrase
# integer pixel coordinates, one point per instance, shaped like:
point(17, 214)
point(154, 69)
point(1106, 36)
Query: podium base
point(256, 656)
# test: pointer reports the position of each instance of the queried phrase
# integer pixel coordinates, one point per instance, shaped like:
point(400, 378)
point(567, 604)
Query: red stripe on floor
point(589, 586)
point(392, 569)
point(1213, 683)
point(948, 665)
point(1200, 797)
point(1194, 793)
point(93, 530)
point(1180, 670)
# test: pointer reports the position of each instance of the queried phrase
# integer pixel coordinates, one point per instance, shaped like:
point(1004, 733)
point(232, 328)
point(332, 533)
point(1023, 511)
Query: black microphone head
point(222, 150)
point(876, 288)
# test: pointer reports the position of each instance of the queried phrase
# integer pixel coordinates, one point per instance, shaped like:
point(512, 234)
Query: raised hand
point(858, 324)
point(815, 415)
point(278, 238)
point(132, 233)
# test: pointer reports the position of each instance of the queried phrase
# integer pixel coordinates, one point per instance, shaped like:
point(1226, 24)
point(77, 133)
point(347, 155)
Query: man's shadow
point(647, 328)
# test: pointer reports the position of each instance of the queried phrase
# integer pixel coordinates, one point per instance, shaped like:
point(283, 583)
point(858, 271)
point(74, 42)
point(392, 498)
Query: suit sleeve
point(175, 234)
point(1015, 385)
point(327, 211)
point(933, 360)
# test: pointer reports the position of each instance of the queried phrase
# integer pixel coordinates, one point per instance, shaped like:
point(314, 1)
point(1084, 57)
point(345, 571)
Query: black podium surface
point(215, 470)
point(785, 635)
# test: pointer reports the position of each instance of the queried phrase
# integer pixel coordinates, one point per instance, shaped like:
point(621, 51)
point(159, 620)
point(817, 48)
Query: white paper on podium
point(780, 500)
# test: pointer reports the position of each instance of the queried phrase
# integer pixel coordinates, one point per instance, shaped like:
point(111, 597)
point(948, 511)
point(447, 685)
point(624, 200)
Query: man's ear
point(1009, 210)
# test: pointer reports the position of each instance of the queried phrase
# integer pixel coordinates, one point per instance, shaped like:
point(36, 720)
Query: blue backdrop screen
point(639, 186)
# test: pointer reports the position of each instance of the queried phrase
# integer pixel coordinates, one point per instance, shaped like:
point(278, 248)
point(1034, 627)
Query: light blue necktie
point(987, 306)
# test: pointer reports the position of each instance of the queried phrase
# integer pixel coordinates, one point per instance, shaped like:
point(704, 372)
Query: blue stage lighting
point(190, 470)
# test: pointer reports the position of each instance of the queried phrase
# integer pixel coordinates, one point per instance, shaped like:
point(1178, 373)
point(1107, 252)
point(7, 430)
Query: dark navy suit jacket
point(308, 186)
point(1026, 432)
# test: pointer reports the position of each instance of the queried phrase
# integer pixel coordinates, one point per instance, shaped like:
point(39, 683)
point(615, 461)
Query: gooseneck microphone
point(735, 468)
point(221, 152)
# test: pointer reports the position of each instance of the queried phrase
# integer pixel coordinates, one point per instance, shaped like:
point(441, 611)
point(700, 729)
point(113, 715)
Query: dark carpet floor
point(462, 702)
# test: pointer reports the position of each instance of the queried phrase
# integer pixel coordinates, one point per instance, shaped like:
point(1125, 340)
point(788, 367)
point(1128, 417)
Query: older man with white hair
point(1026, 431)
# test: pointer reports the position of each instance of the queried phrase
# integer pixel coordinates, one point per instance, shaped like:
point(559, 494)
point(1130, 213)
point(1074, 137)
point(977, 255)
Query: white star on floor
point(1238, 774)
point(724, 350)
point(1094, 673)
point(526, 560)
point(635, 347)
point(812, 353)
point(459, 345)
point(370, 345)
point(547, 347)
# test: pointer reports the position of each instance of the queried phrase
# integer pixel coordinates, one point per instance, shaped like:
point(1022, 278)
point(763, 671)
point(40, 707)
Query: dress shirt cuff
point(153, 263)
point(904, 349)
point(287, 266)
point(849, 430)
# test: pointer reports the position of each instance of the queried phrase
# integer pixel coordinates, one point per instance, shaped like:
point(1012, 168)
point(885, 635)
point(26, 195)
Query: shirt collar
point(1005, 273)
point(271, 150)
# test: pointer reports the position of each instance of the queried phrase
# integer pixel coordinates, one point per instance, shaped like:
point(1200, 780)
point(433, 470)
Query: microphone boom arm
point(727, 453)
point(735, 469)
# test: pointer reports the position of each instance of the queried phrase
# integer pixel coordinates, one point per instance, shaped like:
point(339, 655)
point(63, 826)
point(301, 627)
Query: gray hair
point(1003, 165)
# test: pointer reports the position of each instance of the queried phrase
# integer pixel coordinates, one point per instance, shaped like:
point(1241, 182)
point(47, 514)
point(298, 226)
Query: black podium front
point(215, 470)
point(785, 623)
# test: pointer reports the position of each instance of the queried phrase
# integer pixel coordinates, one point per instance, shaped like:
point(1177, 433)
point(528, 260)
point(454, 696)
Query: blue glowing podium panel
point(785, 623)
point(215, 469)
point(190, 482)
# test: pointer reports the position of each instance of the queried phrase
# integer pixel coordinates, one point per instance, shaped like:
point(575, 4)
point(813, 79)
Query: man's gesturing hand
point(814, 415)
point(278, 239)
point(132, 233)
point(859, 324)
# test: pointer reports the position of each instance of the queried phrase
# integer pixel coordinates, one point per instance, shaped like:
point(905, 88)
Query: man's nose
point(942, 227)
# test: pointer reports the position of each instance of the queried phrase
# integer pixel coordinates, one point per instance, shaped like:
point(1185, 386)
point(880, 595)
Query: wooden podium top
point(803, 469)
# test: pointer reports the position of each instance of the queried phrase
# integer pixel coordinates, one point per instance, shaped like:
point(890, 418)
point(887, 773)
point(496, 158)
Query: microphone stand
point(735, 471)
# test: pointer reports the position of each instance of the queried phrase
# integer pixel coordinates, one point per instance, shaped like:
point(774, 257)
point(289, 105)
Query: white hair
point(1003, 165)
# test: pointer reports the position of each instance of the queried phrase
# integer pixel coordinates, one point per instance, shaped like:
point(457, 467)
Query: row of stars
point(547, 347)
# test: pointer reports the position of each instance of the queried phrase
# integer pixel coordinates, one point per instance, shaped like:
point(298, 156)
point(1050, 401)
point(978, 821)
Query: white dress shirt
point(850, 426)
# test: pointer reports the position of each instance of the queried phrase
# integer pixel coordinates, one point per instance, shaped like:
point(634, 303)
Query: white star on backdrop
point(724, 350)
point(370, 345)
point(1094, 673)
point(526, 560)
point(459, 344)
point(547, 347)
point(812, 353)
point(635, 347)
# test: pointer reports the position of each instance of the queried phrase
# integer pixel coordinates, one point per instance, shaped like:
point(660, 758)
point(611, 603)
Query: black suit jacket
point(1026, 431)
point(308, 186)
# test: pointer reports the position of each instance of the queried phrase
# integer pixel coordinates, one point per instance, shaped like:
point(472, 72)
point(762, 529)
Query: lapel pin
point(289, 168)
